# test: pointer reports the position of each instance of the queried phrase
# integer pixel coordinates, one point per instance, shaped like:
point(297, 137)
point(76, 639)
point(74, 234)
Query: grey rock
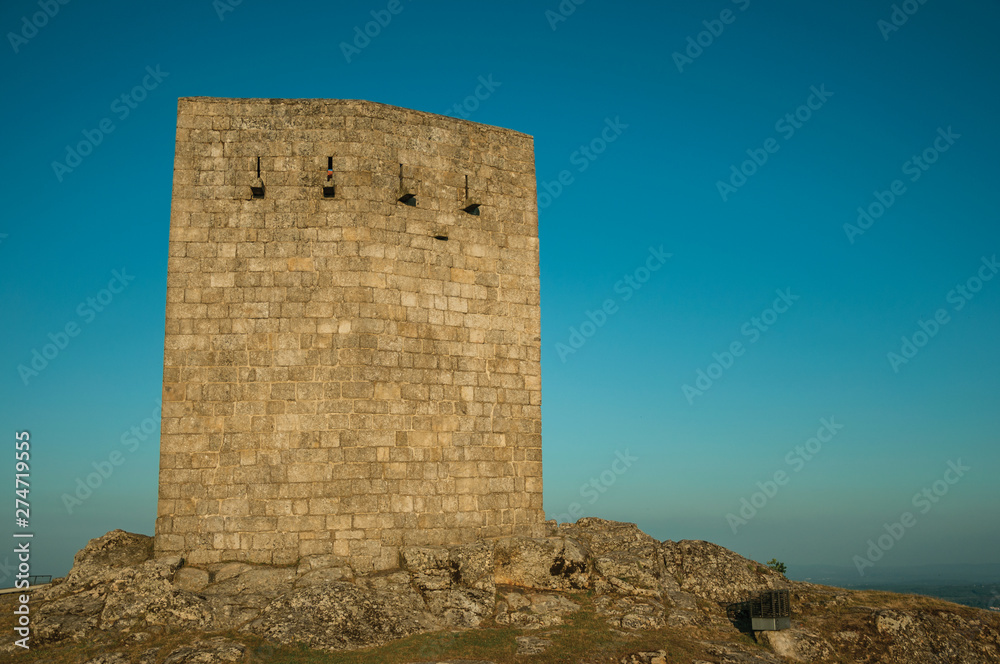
point(626, 559)
point(533, 611)
point(340, 616)
point(629, 574)
point(731, 653)
point(223, 571)
point(657, 657)
point(324, 576)
point(632, 613)
point(94, 598)
point(797, 644)
point(431, 567)
point(244, 591)
point(109, 658)
point(254, 580)
point(207, 651)
point(555, 563)
point(149, 656)
point(926, 636)
point(115, 549)
point(191, 578)
point(531, 645)
point(310, 563)
point(457, 584)
point(143, 595)
point(717, 574)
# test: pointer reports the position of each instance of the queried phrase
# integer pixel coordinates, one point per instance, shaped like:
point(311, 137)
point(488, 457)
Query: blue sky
point(820, 107)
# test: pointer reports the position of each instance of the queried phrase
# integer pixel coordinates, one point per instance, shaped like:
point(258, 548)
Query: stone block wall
point(350, 374)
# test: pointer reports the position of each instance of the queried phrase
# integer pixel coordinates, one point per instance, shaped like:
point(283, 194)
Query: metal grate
point(770, 604)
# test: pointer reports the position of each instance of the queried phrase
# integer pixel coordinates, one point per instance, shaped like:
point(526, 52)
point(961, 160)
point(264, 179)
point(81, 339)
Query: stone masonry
point(352, 352)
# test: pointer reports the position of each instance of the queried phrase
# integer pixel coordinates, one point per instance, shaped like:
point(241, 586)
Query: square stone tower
point(352, 353)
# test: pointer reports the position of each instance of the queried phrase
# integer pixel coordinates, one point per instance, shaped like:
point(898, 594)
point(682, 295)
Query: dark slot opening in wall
point(471, 208)
point(441, 237)
point(257, 189)
point(406, 198)
point(329, 190)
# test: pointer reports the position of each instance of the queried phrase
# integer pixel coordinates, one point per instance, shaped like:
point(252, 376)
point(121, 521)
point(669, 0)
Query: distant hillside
point(972, 585)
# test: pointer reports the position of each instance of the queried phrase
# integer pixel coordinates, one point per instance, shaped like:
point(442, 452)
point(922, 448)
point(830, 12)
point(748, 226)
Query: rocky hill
point(594, 591)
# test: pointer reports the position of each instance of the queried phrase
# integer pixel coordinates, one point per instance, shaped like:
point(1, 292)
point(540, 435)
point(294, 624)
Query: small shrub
point(777, 566)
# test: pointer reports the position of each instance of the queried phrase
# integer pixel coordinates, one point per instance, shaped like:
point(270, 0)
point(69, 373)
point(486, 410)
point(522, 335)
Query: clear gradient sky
point(641, 136)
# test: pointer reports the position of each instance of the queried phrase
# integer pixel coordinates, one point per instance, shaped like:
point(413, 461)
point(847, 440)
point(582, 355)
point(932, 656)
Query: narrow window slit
point(470, 207)
point(257, 188)
point(329, 190)
point(405, 197)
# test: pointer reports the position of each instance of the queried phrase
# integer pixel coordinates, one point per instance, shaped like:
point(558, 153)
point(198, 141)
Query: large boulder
point(457, 583)
point(626, 560)
point(797, 644)
point(711, 572)
point(115, 585)
point(533, 610)
point(115, 549)
point(555, 563)
point(240, 591)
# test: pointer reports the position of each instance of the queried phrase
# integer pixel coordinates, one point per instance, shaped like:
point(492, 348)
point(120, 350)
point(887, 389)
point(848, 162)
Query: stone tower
point(352, 358)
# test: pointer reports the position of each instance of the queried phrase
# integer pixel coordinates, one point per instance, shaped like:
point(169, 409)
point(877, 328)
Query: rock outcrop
point(629, 582)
